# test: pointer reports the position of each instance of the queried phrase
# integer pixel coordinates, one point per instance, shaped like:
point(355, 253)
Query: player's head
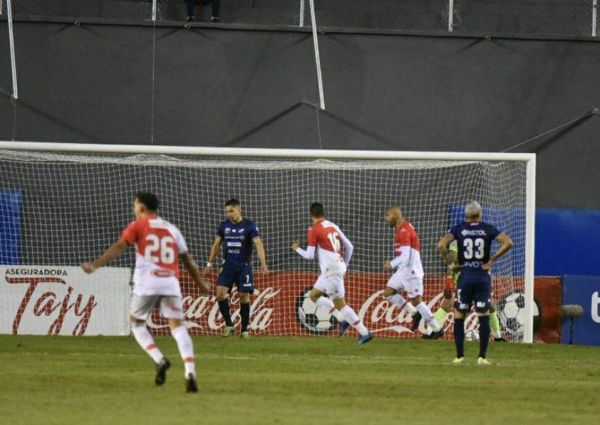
point(473, 211)
point(394, 215)
point(233, 210)
point(317, 211)
point(145, 203)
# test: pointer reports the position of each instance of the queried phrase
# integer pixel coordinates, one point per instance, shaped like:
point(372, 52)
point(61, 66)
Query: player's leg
point(495, 324)
point(351, 318)
point(461, 308)
point(392, 294)
point(245, 284)
point(337, 291)
point(447, 304)
point(317, 296)
point(224, 285)
point(171, 308)
point(414, 291)
point(482, 307)
point(141, 307)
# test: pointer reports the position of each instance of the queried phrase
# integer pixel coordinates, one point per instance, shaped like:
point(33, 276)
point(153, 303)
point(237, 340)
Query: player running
point(408, 275)
point(447, 304)
point(237, 233)
point(327, 240)
point(474, 238)
point(159, 245)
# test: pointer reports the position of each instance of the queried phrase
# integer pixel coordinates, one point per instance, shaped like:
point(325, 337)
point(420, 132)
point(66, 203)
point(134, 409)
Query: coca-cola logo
point(202, 312)
point(381, 316)
point(47, 303)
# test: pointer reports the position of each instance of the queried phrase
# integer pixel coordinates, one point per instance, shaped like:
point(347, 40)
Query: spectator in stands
point(216, 5)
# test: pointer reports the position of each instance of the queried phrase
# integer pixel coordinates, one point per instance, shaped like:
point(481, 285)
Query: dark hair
point(149, 200)
point(232, 203)
point(316, 210)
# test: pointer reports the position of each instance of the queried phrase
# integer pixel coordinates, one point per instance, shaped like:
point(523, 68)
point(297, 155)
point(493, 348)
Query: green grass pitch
point(277, 380)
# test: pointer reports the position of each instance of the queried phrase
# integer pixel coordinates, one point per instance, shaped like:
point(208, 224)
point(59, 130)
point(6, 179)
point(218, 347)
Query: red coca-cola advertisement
point(64, 301)
point(280, 307)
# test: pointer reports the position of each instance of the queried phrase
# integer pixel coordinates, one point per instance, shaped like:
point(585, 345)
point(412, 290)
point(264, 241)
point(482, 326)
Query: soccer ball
point(512, 315)
point(314, 319)
point(472, 335)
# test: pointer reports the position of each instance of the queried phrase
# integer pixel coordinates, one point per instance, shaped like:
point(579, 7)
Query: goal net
point(59, 209)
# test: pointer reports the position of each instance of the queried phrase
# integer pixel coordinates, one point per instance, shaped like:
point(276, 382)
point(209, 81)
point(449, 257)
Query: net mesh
point(73, 206)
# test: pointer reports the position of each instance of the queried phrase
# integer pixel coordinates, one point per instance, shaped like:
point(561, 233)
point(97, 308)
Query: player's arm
point(192, 268)
point(262, 255)
point(401, 260)
point(111, 253)
point(214, 251)
point(348, 247)
point(309, 252)
point(442, 246)
point(506, 244)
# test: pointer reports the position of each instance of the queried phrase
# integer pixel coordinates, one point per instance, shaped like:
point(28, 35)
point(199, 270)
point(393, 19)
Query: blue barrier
point(10, 226)
point(565, 242)
point(585, 291)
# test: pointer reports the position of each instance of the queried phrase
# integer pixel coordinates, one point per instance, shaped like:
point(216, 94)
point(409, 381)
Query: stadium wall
point(242, 87)
point(544, 17)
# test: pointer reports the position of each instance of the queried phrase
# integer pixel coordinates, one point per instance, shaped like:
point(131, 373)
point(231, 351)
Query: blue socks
point(224, 309)
point(484, 335)
point(245, 313)
point(459, 337)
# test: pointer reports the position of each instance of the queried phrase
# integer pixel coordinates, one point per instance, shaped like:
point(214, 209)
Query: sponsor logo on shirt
point(466, 232)
point(162, 273)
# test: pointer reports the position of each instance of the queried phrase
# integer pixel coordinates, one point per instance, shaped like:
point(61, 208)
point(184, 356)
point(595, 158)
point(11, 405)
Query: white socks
point(351, 317)
point(145, 340)
point(428, 316)
point(400, 302)
point(186, 349)
point(326, 304)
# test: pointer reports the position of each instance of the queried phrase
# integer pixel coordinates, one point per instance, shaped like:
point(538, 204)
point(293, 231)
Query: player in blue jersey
point(474, 238)
point(236, 235)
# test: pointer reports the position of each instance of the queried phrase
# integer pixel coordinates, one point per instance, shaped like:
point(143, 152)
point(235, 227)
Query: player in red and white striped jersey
point(159, 245)
point(408, 275)
point(334, 251)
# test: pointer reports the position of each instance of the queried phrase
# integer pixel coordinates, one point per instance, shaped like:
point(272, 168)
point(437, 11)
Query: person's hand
point(487, 266)
point(295, 246)
point(88, 268)
point(454, 267)
point(388, 266)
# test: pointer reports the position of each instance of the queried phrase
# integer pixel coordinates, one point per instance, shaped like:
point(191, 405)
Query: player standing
point(237, 234)
point(327, 240)
point(159, 245)
point(474, 239)
point(447, 304)
point(408, 275)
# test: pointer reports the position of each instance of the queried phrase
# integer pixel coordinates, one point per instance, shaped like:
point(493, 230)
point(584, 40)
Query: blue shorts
point(473, 289)
point(240, 274)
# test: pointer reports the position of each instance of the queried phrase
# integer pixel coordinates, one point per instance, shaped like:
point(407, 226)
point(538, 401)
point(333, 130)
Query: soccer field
point(276, 380)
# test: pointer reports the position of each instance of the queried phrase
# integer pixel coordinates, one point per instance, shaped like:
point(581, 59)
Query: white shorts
point(142, 305)
point(411, 284)
point(332, 285)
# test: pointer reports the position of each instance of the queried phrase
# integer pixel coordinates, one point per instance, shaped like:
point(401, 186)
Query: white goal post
point(432, 185)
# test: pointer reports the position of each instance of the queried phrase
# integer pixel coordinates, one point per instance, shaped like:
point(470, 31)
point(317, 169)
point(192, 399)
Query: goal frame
point(528, 158)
